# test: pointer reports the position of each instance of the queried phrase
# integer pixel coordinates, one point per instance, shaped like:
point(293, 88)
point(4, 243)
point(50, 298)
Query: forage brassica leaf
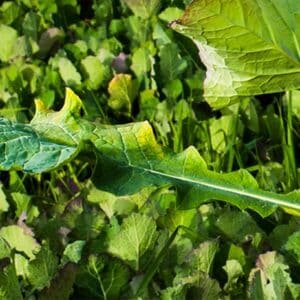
point(248, 47)
point(128, 160)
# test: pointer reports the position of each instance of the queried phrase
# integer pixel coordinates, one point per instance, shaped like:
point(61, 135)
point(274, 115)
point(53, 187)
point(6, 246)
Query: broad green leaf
point(194, 275)
point(17, 239)
point(248, 47)
point(173, 293)
point(234, 271)
point(274, 281)
point(293, 245)
point(21, 264)
point(129, 159)
point(23, 205)
point(118, 205)
point(173, 89)
point(143, 8)
point(171, 64)
point(22, 147)
point(61, 287)
point(141, 62)
point(131, 156)
point(8, 39)
point(42, 269)
point(201, 259)
point(113, 277)
point(170, 14)
point(110, 203)
point(237, 253)
point(4, 249)
point(148, 103)
point(88, 225)
point(9, 11)
point(95, 71)
point(137, 235)
point(9, 285)
point(241, 229)
point(21, 201)
point(31, 25)
point(68, 72)
point(73, 251)
point(3, 202)
point(279, 236)
point(122, 93)
point(174, 218)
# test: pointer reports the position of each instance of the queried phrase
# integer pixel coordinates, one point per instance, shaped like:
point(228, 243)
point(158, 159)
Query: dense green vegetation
point(130, 168)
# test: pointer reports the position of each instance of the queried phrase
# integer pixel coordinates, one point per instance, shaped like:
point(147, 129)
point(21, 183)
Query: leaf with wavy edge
point(248, 47)
point(49, 141)
point(129, 159)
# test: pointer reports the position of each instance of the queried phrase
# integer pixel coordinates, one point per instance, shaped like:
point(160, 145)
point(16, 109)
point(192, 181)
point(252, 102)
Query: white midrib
point(226, 189)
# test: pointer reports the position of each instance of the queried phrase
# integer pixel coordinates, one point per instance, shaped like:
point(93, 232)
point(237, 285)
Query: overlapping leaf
point(249, 47)
point(44, 145)
point(129, 159)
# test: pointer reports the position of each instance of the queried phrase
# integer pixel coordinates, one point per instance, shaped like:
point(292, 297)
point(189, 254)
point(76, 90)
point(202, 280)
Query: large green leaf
point(9, 285)
point(42, 269)
point(271, 279)
point(143, 8)
point(23, 147)
point(129, 159)
point(137, 235)
point(17, 239)
point(248, 47)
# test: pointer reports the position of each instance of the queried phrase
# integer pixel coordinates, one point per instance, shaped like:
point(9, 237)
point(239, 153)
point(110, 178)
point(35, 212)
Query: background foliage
point(61, 237)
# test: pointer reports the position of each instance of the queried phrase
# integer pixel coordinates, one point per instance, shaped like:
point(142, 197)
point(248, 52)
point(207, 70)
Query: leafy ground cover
point(130, 168)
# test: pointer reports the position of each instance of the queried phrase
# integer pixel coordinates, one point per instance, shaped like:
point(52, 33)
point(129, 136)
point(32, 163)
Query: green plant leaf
point(137, 235)
point(9, 285)
point(119, 205)
point(122, 93)
point(241, 229)
point(274, 281)
point(17, 239)
point(141, 62)
point(9, 12)
point(170, 13)
point(95, 71)
point(171, 64)
point(22, 147)
point(194, 275)
point(3, 202)
point(131, 156)
point(68, 72)
point(73, 251)
point(143, 8)
point(293, 245)
point(9, 38)
point(42, 269)
point(234, 271)
point(103, 281)
point(201, 259)
point(61, 287)
point(129, 159)
point(248, 48)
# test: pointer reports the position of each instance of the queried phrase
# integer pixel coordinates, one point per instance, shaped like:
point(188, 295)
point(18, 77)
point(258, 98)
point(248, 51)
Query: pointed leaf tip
point(72, 103)
point(39, 106)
